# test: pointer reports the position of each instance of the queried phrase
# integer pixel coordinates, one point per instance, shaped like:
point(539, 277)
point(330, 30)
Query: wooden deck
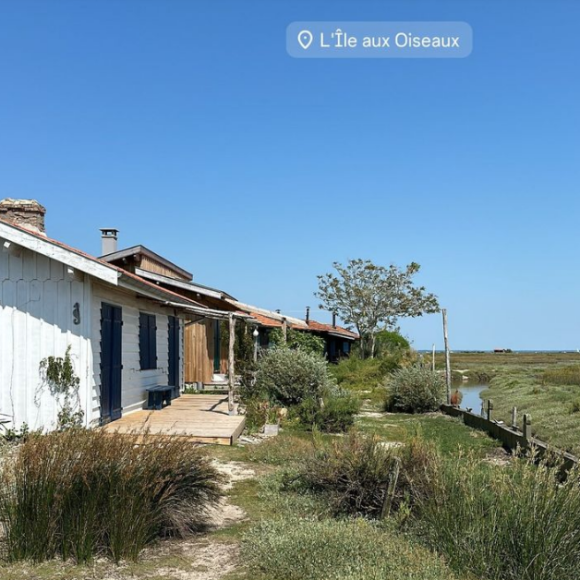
point(201, 418)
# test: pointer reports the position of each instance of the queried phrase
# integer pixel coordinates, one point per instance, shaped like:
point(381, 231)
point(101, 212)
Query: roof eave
point(51, 249)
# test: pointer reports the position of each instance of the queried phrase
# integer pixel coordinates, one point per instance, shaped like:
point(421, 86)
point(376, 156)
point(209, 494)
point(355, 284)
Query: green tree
point(390, 342)
point(373, 298)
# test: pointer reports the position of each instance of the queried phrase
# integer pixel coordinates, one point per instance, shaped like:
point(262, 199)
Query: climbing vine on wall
point(63, 384)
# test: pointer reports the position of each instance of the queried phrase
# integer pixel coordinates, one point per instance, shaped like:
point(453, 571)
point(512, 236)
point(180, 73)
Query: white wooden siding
point(37, 296)
point(134, 380)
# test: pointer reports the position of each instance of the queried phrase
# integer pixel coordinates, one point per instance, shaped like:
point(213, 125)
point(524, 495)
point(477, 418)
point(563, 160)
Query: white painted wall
point(37, 296)
point(134, 380)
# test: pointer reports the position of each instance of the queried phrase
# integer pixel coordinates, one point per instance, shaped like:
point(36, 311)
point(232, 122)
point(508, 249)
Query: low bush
point(355, 374)
point(296, 339)
point(258, 412)
point(335, 413)
point(517, 523)
point(82, 493)
point(389, 342)
point(299, 549)
point(354, 473)
point(415, 390)
point(287, 377)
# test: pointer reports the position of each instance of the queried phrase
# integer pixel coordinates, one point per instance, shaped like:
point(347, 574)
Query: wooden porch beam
point(231, 365)
point(284, 330)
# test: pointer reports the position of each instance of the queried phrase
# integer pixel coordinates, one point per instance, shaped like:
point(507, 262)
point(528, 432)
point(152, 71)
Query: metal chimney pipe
point(108, 240)
point(334, 319)
point(307, 314)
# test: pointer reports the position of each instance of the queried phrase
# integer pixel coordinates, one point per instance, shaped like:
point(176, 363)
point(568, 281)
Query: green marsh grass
point(551, 403)
point(515, 523)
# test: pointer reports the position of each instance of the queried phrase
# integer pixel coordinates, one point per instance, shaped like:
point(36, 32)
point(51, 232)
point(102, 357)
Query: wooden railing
point(511, 437)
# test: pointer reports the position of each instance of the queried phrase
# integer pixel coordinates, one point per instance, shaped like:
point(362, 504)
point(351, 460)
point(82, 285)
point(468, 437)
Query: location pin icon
point(305, 38)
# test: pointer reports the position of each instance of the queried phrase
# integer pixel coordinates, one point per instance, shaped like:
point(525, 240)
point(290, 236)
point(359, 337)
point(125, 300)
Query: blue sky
point(186, 125)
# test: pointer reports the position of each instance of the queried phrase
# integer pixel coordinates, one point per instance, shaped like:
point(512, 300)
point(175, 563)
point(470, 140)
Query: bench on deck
point(159, 396)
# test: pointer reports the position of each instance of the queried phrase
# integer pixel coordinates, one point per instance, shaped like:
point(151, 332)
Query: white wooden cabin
point(53, 297)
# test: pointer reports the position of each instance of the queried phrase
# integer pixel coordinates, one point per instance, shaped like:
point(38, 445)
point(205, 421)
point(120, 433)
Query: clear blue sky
point(186, 125)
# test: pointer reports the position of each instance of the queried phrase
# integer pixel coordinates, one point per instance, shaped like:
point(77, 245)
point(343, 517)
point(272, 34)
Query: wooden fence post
point(433, 359)
point(231, 365)
point(447, 357)
point(391, 488)
point(489, 409)
point(515, 418)
point(527, 427)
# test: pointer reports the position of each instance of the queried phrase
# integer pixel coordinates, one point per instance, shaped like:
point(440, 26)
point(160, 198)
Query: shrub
point(355, 374)
point(298, 549)
point(81, 493)
point(354, 473)
point(258, 412)
point(335, 415)
point(289, 377)
point(297, 339)
point(390, 341)
point(415, 390)
point(519, 523)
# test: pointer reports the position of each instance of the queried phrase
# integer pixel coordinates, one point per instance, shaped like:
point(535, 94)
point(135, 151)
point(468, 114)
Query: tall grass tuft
point(354, 473)
point(82, 493)
point(516, 523)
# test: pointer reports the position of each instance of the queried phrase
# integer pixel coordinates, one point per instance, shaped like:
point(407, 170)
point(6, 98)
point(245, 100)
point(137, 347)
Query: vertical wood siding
point(199, 346)
point(37, 296)
point(158, 268)
point(134, 380)
point(198, 338)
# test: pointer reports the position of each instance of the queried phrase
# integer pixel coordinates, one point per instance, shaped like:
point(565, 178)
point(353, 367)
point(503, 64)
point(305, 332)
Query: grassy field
point(545, 385)
point(491, 360)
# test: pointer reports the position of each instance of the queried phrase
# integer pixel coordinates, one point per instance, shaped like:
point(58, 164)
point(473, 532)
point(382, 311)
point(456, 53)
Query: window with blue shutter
point(147, 341)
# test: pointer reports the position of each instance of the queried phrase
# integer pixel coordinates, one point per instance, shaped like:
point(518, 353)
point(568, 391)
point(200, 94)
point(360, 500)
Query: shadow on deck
point(200, 418)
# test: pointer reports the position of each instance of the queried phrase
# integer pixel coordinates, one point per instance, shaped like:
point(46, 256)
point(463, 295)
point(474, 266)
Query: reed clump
point(519, 522)
point(84, 493)
point(562, 375)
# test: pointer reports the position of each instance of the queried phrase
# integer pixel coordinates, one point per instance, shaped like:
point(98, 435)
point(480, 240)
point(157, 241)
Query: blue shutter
point(152, 342)
point(143, 340)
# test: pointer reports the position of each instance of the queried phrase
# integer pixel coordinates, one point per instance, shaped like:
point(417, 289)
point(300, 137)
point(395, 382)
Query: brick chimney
point(27, 213)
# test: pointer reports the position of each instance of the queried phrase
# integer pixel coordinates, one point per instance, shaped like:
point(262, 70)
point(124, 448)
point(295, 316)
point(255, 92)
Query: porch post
point(231, 364)
point(447, 359)
point(256, 334)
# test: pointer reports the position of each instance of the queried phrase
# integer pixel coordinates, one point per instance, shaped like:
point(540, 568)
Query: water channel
point(471, 396)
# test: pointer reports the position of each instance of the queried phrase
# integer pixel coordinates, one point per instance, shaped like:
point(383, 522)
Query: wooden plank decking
point(201, 418)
